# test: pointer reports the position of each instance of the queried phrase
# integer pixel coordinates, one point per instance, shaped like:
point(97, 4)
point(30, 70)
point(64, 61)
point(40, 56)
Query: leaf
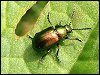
point(18, 56)
point(12, 49)
point(88, 60)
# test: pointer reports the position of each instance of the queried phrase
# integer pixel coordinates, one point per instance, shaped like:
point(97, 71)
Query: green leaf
point(88, 61)
point(18, 56)
point(12, 48)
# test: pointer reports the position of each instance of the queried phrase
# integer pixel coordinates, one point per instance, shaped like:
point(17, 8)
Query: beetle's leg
point(45, 54)
point(48, 18)
point(57, 52)
point(74, 39)
point(41, 59)
point(60, 23)
point(30, 36)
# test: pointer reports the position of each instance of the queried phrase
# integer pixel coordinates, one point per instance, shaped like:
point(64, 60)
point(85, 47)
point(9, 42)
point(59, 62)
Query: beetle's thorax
point(61, 31)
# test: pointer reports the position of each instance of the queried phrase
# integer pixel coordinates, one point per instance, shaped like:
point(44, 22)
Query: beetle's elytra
point(51, 35)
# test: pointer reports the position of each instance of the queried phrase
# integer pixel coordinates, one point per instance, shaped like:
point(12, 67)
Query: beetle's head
point(68, 28)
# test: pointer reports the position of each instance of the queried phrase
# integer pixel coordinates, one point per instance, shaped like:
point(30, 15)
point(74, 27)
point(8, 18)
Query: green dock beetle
point(50, 36)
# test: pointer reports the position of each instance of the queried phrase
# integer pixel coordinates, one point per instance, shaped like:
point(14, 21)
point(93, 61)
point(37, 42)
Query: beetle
point(50, 36)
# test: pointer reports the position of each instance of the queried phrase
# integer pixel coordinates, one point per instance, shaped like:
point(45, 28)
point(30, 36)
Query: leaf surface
point(76, 57)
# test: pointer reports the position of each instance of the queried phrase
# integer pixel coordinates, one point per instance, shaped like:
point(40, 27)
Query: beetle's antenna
point(82, 29)
point(49, 18)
